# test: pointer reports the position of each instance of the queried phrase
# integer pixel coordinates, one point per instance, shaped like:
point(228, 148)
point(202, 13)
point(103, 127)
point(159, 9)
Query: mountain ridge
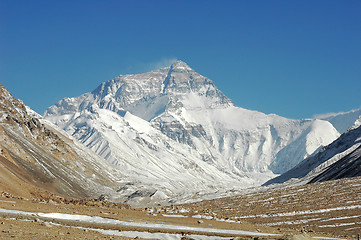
point(341, 158)
point(39, 157)
point(189, 121)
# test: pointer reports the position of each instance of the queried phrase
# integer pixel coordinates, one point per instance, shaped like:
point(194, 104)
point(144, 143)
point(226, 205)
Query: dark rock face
point(182, 134)
point(348, 166)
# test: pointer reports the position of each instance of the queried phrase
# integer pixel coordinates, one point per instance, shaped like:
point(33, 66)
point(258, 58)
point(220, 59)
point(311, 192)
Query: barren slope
point(332, 207)
point(36, 157)
point(51, 217)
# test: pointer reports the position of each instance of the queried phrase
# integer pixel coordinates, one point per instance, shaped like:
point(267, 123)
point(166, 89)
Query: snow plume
point(333, 114)
point(343, 120)
point(325, 115)
point(164, 62)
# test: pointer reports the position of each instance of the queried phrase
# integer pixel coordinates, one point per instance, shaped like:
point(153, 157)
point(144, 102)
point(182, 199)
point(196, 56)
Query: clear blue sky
point(293, 58)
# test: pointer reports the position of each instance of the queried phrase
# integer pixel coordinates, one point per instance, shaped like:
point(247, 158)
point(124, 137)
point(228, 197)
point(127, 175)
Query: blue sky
point(293, 58)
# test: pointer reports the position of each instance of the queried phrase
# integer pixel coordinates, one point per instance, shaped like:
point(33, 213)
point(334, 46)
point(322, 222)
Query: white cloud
point(324, 115)
point(142, 67)
point(164, 62)
point(332, 114)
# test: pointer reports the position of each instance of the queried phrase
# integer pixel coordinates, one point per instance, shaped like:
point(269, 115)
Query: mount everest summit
point(175, 136)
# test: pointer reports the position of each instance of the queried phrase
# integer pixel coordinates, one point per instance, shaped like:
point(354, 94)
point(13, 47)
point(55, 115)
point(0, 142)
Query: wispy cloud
point(135, 67)
point(164, 62)
point(324, 115)
point(331, 114)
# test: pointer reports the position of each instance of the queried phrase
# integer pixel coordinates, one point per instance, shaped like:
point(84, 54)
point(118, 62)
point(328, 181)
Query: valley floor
point(329, 209)
point(32, 219)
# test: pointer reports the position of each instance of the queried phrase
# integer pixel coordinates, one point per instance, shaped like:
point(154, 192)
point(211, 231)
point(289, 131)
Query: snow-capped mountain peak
point(180, 66)
point(357, 123)
point(192, 129)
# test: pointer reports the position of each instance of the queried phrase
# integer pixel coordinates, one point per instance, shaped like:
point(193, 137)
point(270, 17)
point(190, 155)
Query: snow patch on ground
point(174, 216)
point(145, 225)
point(295, 213)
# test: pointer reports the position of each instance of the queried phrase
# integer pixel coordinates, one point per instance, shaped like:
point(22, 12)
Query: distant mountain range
point(174, 136)
point(166, 136)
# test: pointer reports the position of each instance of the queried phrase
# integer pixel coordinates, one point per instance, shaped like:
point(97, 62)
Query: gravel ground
point(332, 207)
point(329, 209)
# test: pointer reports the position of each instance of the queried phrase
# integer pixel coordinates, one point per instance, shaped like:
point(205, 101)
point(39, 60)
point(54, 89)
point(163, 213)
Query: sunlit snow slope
point(344, 120)
point(340, 159)
point(176, 135)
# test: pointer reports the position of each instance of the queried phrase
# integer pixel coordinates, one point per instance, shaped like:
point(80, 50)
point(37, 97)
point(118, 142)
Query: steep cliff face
point(174, 129)
point(34, 156)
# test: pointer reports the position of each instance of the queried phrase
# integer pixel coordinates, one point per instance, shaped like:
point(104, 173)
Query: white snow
point(174, 216)
point(295, 213)
point(7, 201)
point(337, 225)
point(145, 235)
point(341, 218)
point(148, 235)
point(144, 225)
point(202, 216)
point(320, 135)
point(342, 121)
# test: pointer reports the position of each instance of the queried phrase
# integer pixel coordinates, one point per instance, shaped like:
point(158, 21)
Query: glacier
point(176, 137)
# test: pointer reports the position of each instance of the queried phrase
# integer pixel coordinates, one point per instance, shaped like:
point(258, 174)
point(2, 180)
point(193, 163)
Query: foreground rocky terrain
point(249, 216)
point(330, 207)
point(15, 223)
